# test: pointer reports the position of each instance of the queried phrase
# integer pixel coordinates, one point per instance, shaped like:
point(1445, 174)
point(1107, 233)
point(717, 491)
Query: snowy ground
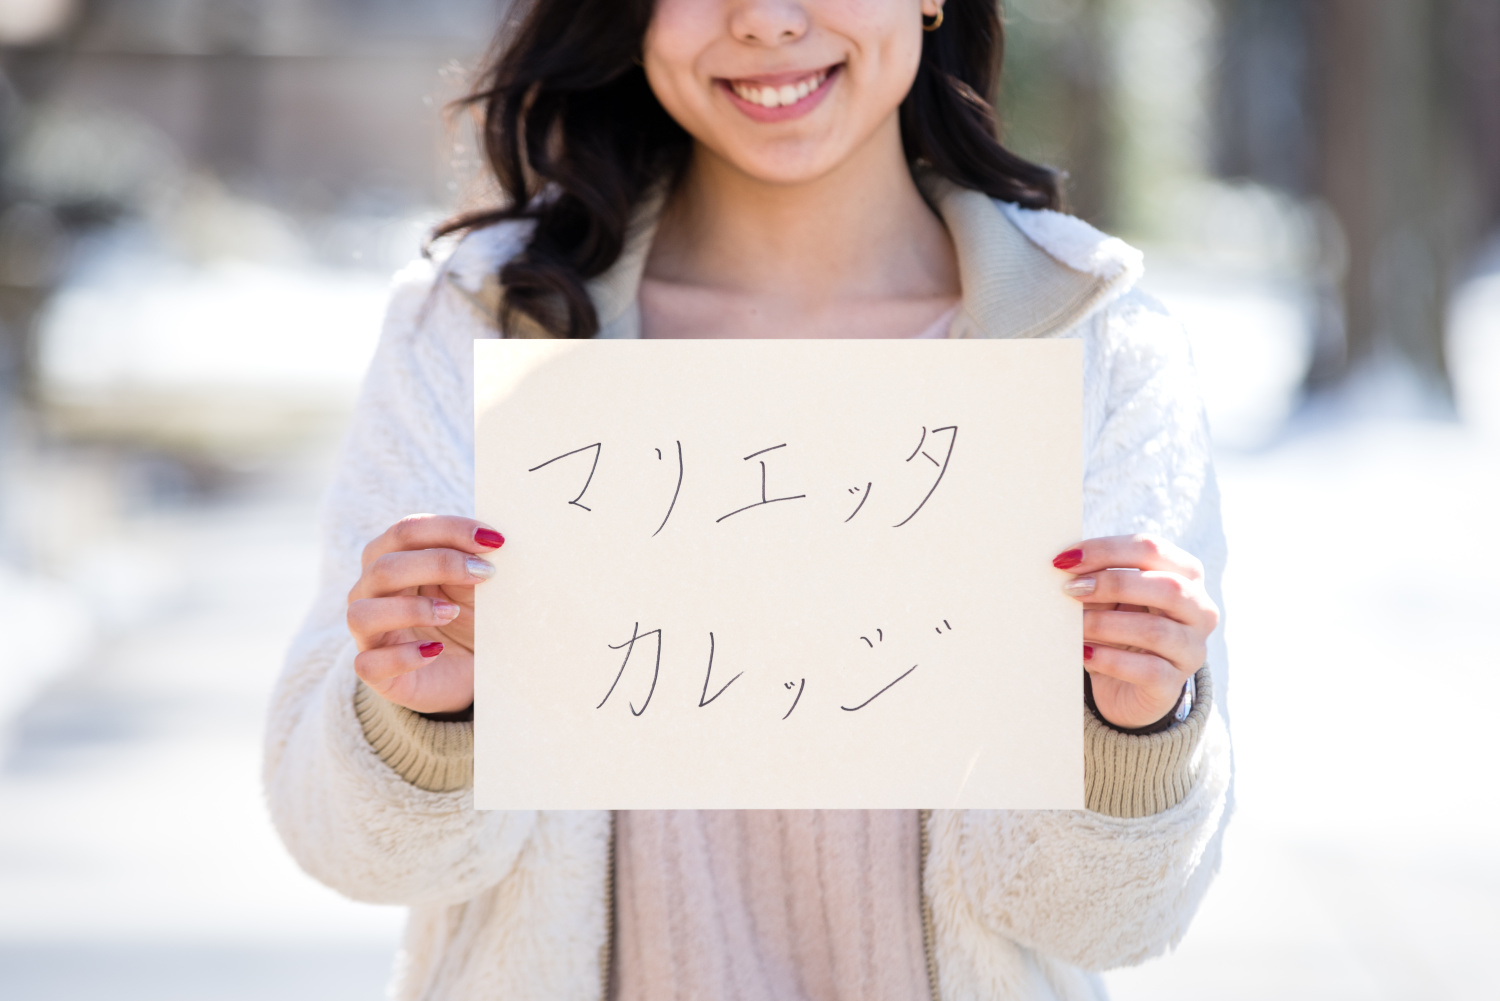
point(1362, 860)
point(136, 857)
point(136, 860)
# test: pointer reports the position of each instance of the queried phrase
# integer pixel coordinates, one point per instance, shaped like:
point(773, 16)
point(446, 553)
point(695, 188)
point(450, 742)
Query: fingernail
point(489, 538)
point(1068, 560)
point(1088, 652)
point(445, 611)
point(477, 567)
point(431, 650)
point(1080, 587)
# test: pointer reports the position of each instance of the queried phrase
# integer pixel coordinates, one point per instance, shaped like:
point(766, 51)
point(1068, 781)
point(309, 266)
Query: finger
point(1142, 670)
point(1131, 689)
point(1142, 552)
point(433, 531)
point(1172, 594)
point(396, 572)
point(1154, 634)
point(372, 617)
point(378, 667)
point(444, 683)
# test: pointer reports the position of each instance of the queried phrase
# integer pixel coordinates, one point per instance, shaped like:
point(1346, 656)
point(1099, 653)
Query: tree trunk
point(1386, 166)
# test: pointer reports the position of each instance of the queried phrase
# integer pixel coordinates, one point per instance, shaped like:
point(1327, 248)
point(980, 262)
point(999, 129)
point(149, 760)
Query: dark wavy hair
point(575, 137)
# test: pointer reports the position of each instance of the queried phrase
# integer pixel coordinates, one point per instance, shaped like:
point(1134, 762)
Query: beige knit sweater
point(769, 905)
point(375, 800)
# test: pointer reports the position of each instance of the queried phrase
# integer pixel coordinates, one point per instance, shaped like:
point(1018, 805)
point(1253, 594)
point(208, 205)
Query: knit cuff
point(1130, 776)
point(430, 754)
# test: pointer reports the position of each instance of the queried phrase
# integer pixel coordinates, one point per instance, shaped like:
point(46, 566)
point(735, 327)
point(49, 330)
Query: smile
point(780, 97)
point(785, 95)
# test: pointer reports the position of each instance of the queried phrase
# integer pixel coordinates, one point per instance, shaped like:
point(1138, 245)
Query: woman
point(756, 168)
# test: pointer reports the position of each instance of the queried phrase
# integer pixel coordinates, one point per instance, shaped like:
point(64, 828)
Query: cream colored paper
point(858, 534)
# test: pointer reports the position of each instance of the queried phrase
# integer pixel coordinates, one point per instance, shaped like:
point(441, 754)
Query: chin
point(787, 164)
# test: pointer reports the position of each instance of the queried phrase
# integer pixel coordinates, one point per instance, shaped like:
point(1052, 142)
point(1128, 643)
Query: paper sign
point(778, 574)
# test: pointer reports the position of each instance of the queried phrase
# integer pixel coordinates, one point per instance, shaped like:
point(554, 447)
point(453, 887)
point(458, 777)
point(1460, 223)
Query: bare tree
point(1388, 113)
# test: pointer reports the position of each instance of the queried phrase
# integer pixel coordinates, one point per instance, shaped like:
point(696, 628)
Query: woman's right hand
point(412, 612)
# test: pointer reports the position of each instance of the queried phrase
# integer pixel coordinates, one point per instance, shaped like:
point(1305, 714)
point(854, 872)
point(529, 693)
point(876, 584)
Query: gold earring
point(937, 22)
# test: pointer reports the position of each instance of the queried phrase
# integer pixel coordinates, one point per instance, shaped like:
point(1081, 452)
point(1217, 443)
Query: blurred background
point(201, 203)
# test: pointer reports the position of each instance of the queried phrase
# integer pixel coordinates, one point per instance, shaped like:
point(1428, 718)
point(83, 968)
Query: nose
point(768, 22)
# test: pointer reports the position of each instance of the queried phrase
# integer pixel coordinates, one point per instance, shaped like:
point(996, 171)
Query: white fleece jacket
point(516, 905)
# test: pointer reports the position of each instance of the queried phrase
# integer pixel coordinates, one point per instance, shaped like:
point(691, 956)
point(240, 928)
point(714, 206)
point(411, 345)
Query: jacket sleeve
point(1119, 881)
point(346, 816)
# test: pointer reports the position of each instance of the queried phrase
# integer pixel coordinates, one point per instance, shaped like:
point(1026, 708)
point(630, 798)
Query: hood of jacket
point(1024, 272)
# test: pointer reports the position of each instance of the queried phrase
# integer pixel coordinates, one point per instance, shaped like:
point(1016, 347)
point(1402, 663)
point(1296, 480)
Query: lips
point(769, 96)
point(780, 96)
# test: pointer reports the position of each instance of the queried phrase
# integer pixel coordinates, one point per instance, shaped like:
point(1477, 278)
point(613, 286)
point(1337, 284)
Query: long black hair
point(575, 137)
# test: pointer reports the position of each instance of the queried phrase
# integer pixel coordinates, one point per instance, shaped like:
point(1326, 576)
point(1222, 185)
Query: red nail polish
point(489, 538)
point(431, 650)
point(1088, 652)
point(1068, 560)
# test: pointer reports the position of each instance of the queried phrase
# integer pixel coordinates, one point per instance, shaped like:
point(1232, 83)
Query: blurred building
point(248, 129)
point(305, 102)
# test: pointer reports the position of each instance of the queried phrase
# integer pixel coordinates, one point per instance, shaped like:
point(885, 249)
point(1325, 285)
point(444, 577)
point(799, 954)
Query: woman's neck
point(859, 232)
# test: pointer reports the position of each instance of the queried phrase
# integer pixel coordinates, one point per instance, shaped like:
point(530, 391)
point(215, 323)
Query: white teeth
point(776, 97)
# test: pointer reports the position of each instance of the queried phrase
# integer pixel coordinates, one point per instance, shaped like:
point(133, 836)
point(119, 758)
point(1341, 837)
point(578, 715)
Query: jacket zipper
point(929, 953)
point(607, 951)
point(929, 937)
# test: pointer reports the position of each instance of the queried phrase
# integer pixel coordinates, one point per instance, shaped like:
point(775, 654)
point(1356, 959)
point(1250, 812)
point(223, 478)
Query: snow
point(1361, 861)
point(52, 628)
point(1474, 349)
point(146, 320)
point(137, 860)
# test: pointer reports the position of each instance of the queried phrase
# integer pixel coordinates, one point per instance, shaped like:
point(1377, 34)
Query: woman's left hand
point(1146, 621)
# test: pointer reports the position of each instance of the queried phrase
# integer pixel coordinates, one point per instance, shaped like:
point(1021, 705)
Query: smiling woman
point(631, 101)
point(759, 169)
